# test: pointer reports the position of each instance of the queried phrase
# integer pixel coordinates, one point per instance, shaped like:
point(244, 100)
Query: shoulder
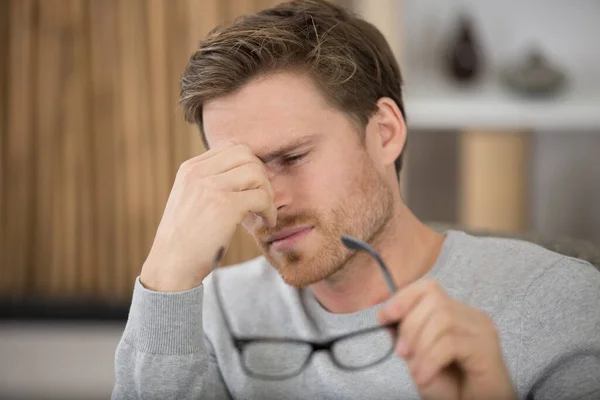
point(491, 271)
point(497, 249)
point(570, 285)
point(537, 276)
point(515, 259)
point(560, 321)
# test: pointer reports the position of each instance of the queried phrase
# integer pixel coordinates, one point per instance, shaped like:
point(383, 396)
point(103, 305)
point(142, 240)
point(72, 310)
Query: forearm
point(163, 354)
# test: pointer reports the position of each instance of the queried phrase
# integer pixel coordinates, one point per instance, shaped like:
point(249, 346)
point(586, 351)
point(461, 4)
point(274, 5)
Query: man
point(301, 109)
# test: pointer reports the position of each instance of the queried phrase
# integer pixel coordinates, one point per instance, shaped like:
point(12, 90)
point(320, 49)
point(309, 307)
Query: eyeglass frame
point(240, 342)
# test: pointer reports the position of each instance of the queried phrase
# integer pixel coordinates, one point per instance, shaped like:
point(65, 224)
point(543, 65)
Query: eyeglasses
point(273, 358)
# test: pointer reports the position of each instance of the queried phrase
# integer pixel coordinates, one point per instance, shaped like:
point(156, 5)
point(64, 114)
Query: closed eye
point(291, 160)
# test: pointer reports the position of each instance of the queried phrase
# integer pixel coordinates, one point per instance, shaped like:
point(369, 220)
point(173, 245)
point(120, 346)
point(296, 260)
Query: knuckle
point(265, 199)
point(186, 175)
point(489, 322)
point(243, 151)
point(442, 305)
point(210, 182)
point(217, 198)
point(450, 344)
point(406, 332)
point(256, 171)
point(185, 168)
point(446, 321)
point(431, 285)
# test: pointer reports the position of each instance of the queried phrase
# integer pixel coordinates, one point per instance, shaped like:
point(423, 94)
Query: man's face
point(325, 183)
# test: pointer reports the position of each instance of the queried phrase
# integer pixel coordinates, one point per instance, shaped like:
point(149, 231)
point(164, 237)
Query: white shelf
point(435, 103)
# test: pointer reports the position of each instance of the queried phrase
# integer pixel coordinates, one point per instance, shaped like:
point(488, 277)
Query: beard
point(363, 211)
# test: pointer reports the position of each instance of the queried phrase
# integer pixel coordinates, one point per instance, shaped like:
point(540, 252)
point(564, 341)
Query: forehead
point(269, 112)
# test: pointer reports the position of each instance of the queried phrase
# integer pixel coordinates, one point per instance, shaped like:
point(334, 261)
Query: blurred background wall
point(559, 133)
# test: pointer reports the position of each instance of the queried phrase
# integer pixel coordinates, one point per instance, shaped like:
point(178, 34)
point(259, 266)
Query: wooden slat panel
point(146, 139)
point(96, 136)
point(135, 102)
point(493, 176)
point(68, 131)
point(19, 144)
point(67, 124)
point(128, 18)
point(241, 7)
point(81, 273)
point(201, 19)
point(178, 37)
point(4, 51)
point(161, 166)
point(203, 16)
point(104, 60)
point(50, 183)
point(124, 229)
point(261, 4)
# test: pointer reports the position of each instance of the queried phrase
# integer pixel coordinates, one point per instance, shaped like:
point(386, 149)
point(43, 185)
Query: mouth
point(288, 238)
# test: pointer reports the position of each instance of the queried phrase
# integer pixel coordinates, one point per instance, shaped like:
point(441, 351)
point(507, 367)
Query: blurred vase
point(535, 75)
point(464, 58)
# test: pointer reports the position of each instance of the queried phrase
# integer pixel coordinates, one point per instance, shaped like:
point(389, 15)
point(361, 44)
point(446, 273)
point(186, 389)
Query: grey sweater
point(546, 308)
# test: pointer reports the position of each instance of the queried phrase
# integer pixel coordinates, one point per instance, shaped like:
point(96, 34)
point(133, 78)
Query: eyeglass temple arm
point(353, 243)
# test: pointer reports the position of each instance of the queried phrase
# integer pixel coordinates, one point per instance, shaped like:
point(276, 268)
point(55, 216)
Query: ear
point(391, 129)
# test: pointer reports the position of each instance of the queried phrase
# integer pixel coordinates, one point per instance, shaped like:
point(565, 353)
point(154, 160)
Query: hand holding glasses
point(274, 358)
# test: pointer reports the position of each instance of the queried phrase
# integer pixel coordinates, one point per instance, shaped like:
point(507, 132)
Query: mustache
point(287, 221)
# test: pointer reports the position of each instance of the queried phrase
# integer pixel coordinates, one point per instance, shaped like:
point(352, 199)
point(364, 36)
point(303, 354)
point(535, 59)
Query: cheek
point(321, 187)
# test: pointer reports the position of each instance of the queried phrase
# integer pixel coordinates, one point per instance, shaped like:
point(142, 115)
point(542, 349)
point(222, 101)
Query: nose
point(282, 195)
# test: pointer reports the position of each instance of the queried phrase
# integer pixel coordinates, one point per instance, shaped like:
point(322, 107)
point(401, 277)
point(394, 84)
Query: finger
point(444, 385)
point(257, 201)
point(213, 151)
point(439, 324)
point(438, 356)
point(245, 177)
point(413, 324)
point(403, 301)
point(216, 162)
point(228, 160)
point(220, 160)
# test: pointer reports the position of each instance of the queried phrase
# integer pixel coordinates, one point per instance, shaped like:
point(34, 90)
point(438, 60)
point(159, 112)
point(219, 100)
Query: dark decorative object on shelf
point(534, 76)
point(464, 56)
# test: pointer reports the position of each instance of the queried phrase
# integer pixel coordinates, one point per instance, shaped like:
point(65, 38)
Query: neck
point(409, 249)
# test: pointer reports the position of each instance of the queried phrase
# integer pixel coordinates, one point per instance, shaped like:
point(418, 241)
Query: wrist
point(171, 278)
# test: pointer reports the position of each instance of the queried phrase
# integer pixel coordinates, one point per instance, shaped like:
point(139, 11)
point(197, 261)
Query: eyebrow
point(288, 148)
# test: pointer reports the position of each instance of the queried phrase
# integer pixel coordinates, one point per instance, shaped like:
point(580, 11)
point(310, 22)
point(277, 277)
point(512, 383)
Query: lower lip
point(290, 241)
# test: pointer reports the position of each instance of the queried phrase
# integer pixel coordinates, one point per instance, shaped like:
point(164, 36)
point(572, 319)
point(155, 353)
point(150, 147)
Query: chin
point(300, 270)
point(299, 278)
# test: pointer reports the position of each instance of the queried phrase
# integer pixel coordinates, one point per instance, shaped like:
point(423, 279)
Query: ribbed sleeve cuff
point(165, 323)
